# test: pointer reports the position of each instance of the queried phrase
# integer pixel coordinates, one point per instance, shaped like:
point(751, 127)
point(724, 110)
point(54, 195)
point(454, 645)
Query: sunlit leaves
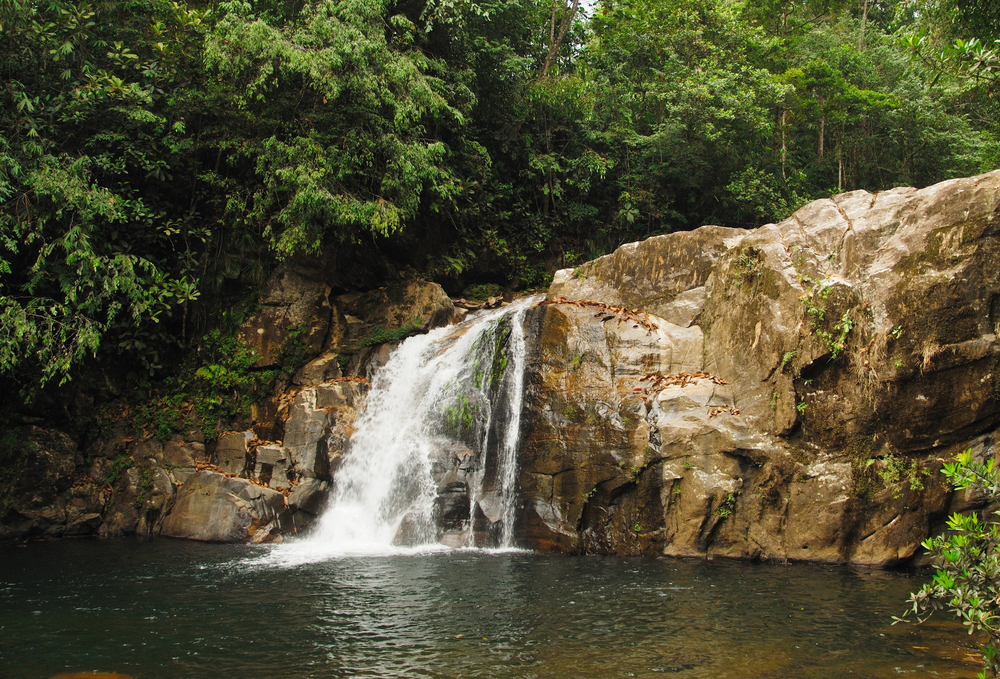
point(366, 153)
point(967, 581)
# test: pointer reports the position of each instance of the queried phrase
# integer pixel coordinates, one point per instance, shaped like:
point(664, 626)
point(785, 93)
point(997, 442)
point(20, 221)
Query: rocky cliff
point(783, 393)
point(788, 392)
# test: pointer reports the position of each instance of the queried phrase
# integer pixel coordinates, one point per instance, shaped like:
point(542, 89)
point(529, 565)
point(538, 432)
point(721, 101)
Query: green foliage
point(93, 236)
point(226, 384)
point(117, 469)
point(894, 470)
point(145, 488)
point(957, 39)
point(747, 267)
point(482, 292)
point(157, 157)
point(967, 581)
point(836, 341)
point(787, 358)
point(211, 388)
point(380, 335)
point(725, 509)
point(371, 109)
point(490, 349)
point(460, 416)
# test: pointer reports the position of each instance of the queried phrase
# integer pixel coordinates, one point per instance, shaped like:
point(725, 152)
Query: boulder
point(309, 496)
point(373, 322)
point(216, 508)
point(321, 369)
point(180, 455)
point(139, 501)
point(421, 304)
point(272, 465)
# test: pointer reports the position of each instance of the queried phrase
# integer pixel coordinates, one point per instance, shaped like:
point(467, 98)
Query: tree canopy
point(158, 157)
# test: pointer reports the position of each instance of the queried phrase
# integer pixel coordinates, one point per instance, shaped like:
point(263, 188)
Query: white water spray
point(446, 407)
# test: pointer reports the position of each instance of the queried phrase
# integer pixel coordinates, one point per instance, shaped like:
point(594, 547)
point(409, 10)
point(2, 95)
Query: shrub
point(967, 581)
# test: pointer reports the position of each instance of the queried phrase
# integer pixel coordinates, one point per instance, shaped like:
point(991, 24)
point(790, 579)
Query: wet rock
point(451, 507)
point(413, 531)
point(320, 422)
point(309, 496)
point(216, 508)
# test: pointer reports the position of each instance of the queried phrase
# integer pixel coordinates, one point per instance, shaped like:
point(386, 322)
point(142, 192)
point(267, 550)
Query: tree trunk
point(555, 41)
point(822, 134)
point(784, 143)
point(840, 168)
point(864, 24)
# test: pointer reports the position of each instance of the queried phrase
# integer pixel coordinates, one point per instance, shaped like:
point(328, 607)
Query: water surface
point(166, 608)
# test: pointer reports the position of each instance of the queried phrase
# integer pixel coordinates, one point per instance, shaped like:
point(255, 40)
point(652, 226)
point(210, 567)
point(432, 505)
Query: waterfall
point(433, 459)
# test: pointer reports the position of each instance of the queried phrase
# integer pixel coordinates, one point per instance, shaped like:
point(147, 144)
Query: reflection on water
point(167, 608)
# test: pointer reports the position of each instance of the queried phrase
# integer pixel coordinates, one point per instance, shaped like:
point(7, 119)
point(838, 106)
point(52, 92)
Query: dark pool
point(165, 608)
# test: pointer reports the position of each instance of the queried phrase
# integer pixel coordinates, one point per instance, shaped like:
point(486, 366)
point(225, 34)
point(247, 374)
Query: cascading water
point(433, 459)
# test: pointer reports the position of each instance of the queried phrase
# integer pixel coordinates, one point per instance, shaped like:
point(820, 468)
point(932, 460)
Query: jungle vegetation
point(158, 157)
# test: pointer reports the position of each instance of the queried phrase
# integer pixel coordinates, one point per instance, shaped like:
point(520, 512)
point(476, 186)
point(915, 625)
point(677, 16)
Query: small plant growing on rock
point(726, 508)
point(801, 407)
point(380, 335)
point(787, 358)
point(121, 464)
point(459, 416)
point(896, 470)
point(967, 581)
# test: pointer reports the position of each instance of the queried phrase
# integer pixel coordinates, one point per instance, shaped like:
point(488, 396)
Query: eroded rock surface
point(844, 354)
point(216, 508)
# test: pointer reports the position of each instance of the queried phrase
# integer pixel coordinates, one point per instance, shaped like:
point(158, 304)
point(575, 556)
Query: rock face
point(237, 489)
point(39, 494)
point(216, 508)
point(256, 492)
point(788, 392)
point(373, 321)
point(294, 310)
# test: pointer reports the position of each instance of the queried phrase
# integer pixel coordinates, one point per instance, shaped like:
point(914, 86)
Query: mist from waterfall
point(445, 410)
